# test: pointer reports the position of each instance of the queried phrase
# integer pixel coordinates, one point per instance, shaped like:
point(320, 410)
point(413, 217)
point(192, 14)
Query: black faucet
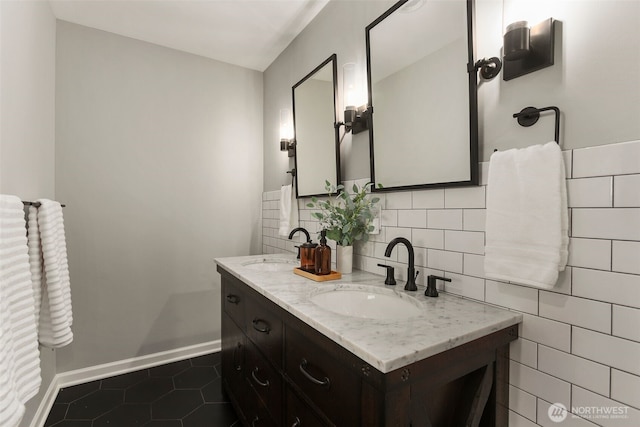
point(411, 272)
point(306, 233)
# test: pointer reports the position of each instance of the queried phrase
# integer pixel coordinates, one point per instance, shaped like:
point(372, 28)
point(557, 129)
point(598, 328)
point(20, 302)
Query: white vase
point(344, 259)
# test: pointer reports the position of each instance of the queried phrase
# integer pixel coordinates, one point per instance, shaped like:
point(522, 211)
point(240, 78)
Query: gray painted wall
point(159, 159)
point(594, 80)
point(27, 120)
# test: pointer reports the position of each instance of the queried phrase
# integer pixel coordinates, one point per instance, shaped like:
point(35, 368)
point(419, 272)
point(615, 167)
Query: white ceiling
point(249, 33)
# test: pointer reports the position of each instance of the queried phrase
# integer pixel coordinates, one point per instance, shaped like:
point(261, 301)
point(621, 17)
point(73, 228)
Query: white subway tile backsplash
point(590, 192)
point(618, 224)
point(427, 238)
point(626, 191)
point(466, 286)
point(563, 285)
point(547, 332)
point(572, 369)
point(419, 254)
point(416, 218)
point(590, 253)
point(625, 388)
point(464, 197)
point(524, 351)
point(517, 420)
point(389, 218)
point(576, 311)
point(539, 384)
point(516, 297)
point(611, 159)
point(400, 200)
point(428, 199)
point(522, 402)
point(444, 260)
point(606, 349)
point(617, 288)
point(626, 322)
point(393, 232)
point(464, 241)
point(626, 256)
point(446, 219)
point(473, 265)
point(474, 219)
point(597, 408)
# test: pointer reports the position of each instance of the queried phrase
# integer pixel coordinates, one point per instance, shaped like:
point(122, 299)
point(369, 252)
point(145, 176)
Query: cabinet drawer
point(299, 414)
point(266, 381)
point(234, 299)
point(264, 328)
point(330, 385)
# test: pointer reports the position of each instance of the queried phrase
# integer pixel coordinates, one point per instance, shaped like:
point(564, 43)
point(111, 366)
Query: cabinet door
point(299, 414)
point(233, 361)
point(233, 299)
point(266, 381)
point(333, 388)
point(264, 328)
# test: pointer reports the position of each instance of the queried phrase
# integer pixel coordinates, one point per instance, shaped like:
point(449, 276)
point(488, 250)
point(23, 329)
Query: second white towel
point(288, 210)
point(50, 273)
point(527, 216)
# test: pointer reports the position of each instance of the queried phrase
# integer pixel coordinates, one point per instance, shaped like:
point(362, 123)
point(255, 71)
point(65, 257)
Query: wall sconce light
point(355, 116)
point(287, 143)
point(527, 49)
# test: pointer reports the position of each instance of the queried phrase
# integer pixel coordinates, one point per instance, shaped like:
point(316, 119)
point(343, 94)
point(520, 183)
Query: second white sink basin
point(368, 302)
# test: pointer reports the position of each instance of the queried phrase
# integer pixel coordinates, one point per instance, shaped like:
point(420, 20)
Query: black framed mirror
point(423, 96)
point(317, 155)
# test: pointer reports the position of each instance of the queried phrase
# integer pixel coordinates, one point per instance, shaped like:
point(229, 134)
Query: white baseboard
point(92, 373)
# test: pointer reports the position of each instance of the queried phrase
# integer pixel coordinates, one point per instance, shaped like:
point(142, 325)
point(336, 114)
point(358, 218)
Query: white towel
point(527, 216)
point(49, 269)
point(19, 355)
point(288, 210)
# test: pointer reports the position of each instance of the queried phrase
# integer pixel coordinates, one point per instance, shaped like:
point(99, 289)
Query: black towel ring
point(529, 116)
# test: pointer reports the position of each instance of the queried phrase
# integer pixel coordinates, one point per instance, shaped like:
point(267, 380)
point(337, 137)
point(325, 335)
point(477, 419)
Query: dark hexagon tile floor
point(187, 393)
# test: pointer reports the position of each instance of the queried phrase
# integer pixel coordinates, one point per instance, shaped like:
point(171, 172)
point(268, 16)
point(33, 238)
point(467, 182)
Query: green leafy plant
point(346, 217)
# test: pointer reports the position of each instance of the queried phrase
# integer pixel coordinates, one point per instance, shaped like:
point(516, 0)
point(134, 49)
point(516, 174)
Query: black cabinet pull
point(296, 423)
point(263, 329)
point(233, 299)
point(264, 383)
point(238, 366)
point(324, 382)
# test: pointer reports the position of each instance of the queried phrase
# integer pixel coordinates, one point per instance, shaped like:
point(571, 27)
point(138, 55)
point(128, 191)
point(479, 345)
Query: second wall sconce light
point(527, 49)
point(287, 143)
point(355, 115)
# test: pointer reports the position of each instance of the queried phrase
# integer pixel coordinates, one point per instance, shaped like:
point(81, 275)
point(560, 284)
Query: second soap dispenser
point(323, 256)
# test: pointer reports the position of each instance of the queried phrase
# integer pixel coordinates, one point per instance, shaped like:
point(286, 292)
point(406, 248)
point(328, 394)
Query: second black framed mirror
point(423, 94)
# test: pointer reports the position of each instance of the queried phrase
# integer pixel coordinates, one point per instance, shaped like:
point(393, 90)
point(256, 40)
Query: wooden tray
point(334, 275)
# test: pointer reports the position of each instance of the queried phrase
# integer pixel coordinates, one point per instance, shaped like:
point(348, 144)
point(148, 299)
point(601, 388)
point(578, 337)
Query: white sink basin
point(367, 302)
point(271, 264)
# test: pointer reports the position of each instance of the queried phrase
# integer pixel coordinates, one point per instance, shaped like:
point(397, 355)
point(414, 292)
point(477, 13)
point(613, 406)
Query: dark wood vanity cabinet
point(278, 371)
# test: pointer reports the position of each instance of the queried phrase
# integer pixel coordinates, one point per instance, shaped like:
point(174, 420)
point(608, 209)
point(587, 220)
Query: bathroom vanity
point(290, 361)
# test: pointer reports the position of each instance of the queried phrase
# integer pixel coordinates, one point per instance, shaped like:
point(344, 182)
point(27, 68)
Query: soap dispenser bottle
point(323, 256)
point(308, 256)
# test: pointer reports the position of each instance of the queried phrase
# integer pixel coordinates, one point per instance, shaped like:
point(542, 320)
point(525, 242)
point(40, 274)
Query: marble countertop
point(444, 322)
